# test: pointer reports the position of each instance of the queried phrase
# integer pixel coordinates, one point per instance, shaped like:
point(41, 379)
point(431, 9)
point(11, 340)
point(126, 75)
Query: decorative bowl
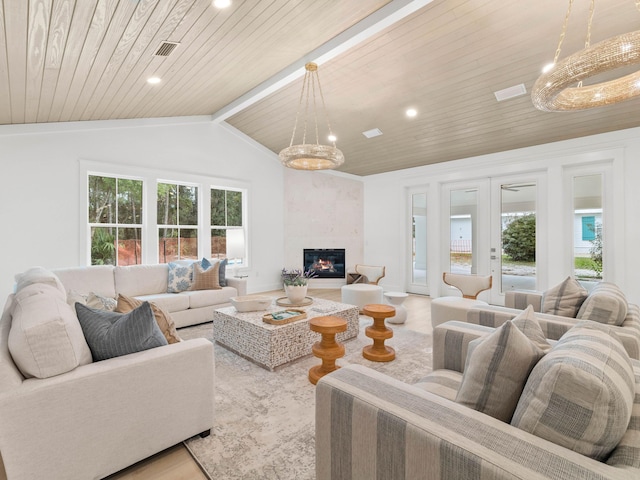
point(250, 303)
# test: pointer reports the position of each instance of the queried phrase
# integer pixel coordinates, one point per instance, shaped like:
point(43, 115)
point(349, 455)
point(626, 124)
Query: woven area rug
point(264, 421)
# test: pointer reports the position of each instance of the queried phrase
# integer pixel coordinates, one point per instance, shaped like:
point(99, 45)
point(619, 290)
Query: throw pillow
point(528, 324)
point(180, 277)
point(91, 299)
point(605, 304)
point(208, 279)
point(580, 395)
point(45, 338)
point(496, 371)
point(223, 273)
point(564, 299)
point(111, 334)
point(38, 275)
point(163, 318)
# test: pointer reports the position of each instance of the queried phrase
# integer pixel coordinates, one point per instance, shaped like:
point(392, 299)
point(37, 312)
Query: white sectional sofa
point(65, 416)
point(149, 282)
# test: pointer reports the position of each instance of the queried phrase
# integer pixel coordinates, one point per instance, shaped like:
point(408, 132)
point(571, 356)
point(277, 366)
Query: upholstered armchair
point(372, 273)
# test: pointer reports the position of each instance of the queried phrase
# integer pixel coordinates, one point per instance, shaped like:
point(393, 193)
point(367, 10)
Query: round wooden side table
point(328, 349)
point(378, 352)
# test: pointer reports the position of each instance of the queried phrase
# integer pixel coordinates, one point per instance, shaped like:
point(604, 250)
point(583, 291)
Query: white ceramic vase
point(296, 293)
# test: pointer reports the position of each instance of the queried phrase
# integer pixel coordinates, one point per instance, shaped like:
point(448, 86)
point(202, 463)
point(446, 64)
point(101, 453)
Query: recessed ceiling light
point(332, 138)
point(154, 80)
point(374, 132)
point(411, 112)
point(221, 3)
point(510, 92)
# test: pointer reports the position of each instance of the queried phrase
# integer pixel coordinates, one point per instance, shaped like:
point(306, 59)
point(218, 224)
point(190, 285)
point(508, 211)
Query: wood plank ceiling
point(82, 60)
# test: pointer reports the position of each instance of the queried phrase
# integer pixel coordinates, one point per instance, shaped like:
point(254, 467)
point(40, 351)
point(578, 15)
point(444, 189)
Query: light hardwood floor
point(176, 462)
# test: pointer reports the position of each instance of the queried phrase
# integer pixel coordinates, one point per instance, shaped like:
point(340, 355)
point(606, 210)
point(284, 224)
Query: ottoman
point(444, 309)
point(361, 294)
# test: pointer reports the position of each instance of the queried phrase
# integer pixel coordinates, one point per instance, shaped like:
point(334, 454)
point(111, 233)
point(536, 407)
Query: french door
point(491, 226)
point(417, 268)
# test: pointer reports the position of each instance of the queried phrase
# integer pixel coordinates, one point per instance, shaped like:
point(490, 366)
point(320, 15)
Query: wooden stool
point(327, 349)
point(378, 352)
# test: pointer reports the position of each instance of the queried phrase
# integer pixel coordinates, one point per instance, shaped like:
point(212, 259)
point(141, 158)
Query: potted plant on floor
point(296, 283)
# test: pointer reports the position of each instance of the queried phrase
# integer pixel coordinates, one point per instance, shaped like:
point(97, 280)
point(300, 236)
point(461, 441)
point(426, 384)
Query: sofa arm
point(451, 341)
point(521, 299)
point(240, 284)
point(107, 415)
point(369, 425)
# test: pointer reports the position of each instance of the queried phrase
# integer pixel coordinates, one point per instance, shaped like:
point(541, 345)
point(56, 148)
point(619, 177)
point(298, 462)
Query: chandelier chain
point(295, 125)
point(324, 107)
point(564, 32)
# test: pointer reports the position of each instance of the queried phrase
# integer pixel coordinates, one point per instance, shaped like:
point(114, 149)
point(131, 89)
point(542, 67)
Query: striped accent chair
point(371, 426)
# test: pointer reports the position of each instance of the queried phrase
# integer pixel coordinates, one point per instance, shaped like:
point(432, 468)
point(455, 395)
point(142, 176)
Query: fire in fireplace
point(325, 262)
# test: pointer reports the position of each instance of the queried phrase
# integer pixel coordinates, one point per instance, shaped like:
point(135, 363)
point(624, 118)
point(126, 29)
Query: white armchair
point(448, 308)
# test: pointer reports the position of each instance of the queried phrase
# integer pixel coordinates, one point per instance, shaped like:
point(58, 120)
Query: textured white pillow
point(45, 337)
point(605, 304)
point(580, 395)
point(565, 299)
point(38, 275)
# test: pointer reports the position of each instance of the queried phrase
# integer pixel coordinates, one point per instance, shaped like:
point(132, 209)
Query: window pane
point(464, 207)
point(103, 246)
point(587, 226)
point(168, 245)
point(102, 196)
point(129, 201)
point(188, 205)
point(419, 240)
point(518, 213)
point(129, 246)
point(167, 204)
point(189, 243)
point(218, 243)
point(234, 209)
point(218, 208)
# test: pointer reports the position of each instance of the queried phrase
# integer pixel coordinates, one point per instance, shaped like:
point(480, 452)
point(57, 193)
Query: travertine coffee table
point(272, 345)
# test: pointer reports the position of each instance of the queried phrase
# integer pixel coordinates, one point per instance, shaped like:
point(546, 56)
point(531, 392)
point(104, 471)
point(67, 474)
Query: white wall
point(387, 227)
point(323, 210)
point(40, 192)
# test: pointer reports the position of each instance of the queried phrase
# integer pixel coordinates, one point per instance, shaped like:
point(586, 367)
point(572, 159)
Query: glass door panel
point(418, 248)
point(463, 211)
point(587, 229)
point(518, 236)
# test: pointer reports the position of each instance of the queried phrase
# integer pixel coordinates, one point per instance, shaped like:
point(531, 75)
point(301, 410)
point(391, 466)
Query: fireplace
point(325, 262)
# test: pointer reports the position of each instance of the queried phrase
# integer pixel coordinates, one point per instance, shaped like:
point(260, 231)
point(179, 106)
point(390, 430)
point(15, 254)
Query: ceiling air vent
point(374, 132)
point(510, 92)
point(165, 49)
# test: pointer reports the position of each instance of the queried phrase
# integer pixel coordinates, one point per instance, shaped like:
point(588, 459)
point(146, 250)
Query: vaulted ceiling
point(83, 60)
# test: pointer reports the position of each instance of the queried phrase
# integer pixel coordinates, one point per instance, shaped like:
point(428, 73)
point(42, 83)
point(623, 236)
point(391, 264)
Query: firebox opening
point(325, 262)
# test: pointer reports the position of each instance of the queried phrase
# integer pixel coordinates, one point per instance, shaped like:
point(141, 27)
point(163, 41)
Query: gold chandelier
point(552, 92)
point(315, 156)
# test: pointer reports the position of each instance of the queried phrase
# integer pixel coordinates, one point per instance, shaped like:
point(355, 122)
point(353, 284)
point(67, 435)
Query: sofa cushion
point(528, 324)
point(111, 334)
point(96, 278)
point(45, 337)
point(207, 298)
point(135, 280)
point(163, 318)
point(496, 371)
point(580, 395)
point(206, 278)
point(180, 278)
point(170, 302)
point(605, 304)
point(38, 275)
point(564, 299)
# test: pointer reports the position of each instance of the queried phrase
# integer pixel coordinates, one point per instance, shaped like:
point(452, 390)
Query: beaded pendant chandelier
point(552, 92)
point(311, 156)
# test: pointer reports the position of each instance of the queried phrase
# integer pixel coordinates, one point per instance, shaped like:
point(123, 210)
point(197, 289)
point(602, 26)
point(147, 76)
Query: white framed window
point(177, 220)
point(228, 239)
point(114, 215)
point(134, 215)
